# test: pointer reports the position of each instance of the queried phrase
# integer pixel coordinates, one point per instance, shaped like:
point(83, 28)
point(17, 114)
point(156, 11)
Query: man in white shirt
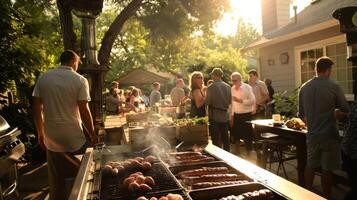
point(243, 102)
point(60, 107)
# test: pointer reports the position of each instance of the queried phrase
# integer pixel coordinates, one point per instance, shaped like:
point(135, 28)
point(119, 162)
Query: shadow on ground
point(33, 181)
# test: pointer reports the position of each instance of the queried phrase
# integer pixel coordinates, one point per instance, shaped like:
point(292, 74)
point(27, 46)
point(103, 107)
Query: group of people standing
point(133, 99)
point(228, 107)
point(321, 104)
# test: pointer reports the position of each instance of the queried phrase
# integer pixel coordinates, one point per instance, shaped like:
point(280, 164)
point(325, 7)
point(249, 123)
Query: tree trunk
point(114, 30)
point(68, 35)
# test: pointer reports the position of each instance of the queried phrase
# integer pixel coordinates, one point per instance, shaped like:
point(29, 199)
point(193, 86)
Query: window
point(308, 59)
point(342, 70)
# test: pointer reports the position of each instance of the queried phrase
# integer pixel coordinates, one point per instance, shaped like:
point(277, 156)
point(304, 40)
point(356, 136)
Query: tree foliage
point(194, 51)
point(160, 34)
point(165, 20)
point(30, 40)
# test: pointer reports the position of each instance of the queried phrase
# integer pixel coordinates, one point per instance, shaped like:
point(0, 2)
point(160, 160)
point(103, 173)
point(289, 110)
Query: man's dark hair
point(67, 56)
point(253, 71)
point(323, 64)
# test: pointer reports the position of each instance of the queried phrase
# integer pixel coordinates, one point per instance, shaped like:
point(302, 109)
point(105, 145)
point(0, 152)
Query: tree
point(176, 15)
point(169, 35)
point(215, 51)
point(245, 35)
point(30, 41)
point(184, 54)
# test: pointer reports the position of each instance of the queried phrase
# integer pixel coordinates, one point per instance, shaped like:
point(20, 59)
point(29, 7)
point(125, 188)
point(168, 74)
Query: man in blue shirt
point(320, 103)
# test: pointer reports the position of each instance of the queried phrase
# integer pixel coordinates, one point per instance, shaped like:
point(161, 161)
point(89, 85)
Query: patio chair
point(273, 148)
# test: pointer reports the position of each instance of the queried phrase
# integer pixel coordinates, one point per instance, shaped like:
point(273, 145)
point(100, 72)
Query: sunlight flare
point(250, 12)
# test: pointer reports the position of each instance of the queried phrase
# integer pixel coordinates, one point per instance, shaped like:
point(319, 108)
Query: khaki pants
point(62, 170)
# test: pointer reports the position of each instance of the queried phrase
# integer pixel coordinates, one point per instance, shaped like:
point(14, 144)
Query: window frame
point(315, 45)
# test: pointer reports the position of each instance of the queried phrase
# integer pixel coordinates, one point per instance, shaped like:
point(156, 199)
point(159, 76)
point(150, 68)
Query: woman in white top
point(243, 101)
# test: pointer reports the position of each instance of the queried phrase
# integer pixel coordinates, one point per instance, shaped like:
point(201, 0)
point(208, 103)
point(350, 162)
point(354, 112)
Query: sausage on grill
point(185, 162)
point(185, 154)
point(203, 171)
point(194, 157)
point(218, 183)
point(210, 178)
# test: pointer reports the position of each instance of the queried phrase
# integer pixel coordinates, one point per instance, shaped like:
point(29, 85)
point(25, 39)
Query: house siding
point(283, 75)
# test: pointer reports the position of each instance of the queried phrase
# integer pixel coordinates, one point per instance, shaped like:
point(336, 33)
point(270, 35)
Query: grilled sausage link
point(210, 178)
point(203, 171)
point(220, 183)
point(194, 157)
point(185, 162)
point(185, 153)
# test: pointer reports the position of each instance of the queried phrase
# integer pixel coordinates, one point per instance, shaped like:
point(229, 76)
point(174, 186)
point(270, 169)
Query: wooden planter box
point(137, 117)
point(193, 134)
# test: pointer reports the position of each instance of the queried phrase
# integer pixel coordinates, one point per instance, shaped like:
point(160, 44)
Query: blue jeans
point(219, 134)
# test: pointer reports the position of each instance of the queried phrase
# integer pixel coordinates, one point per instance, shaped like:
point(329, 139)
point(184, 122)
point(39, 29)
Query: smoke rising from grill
point(161, 139)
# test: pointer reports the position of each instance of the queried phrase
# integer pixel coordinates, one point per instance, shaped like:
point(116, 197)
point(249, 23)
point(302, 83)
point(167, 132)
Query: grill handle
point(10, 190)
point(10, 133)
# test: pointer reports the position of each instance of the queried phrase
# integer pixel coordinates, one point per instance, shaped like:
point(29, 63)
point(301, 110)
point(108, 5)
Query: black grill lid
point(4, 126)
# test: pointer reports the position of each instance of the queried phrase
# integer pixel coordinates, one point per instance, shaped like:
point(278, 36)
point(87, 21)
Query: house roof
point(316, 16)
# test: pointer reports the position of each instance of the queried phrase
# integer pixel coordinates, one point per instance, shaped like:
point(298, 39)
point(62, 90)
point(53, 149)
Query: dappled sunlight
point(249, 11)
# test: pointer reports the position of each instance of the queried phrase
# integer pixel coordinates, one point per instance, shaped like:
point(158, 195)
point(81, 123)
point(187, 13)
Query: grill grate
point(112, 188)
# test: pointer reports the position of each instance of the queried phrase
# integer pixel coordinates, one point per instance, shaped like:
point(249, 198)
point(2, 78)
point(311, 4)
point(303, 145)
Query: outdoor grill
point(110, 187)
point(11, 149)
point(90, 184)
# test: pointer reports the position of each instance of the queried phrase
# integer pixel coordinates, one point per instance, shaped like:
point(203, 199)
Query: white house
point(289, 47)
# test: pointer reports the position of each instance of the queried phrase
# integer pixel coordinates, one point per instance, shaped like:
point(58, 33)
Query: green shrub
point(286, 105)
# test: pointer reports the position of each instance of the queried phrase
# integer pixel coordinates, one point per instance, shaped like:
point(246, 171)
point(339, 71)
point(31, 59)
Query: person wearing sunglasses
point(198, 108)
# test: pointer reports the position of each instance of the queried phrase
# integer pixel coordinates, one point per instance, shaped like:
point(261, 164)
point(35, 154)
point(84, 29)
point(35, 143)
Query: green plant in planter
point(286, 105)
